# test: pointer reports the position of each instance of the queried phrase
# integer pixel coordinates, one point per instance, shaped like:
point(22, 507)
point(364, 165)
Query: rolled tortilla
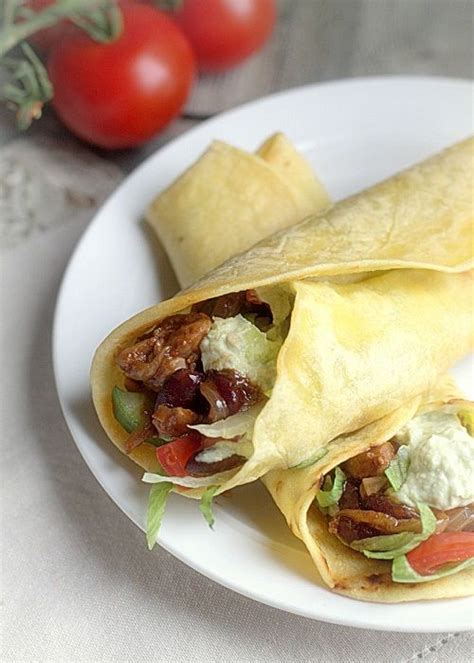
point(343, 569)
point(282, 156)
point(414, 319)
point(229, 200)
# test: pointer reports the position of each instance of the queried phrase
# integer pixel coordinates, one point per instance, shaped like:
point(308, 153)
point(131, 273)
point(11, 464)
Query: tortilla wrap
point(332, 368)
point(229, 200)
point(343, 569)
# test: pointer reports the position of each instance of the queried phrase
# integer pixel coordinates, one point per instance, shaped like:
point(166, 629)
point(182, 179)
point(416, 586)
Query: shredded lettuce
point(156, 508)
point(251, 317)
point(189, 482)
point(406, 541)
point(225, 449)
point(312, 459)
point(466, 417)
point(332, 490)
point(397, 471)
point(403, 572)
point(383, 543)
point(206, 505)
point(236, 425)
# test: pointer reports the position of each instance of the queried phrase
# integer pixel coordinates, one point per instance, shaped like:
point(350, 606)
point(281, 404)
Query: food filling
point(409, 500)
point(196, 382)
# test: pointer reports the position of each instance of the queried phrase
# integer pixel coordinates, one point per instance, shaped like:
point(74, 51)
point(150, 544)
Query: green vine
point(29, 87)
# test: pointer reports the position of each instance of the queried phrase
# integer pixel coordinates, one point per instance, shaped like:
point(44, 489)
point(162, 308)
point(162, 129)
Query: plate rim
point(61, 293)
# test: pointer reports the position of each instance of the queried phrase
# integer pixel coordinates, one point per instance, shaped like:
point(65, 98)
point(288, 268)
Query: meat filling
point(230, 305)
point(362, 513)
point(370, 463)
point(173, 345)
point(365, 509)
point(174, 421)
point(166, 365)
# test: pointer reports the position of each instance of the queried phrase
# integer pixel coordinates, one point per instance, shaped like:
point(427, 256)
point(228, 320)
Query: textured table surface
point(77, 582)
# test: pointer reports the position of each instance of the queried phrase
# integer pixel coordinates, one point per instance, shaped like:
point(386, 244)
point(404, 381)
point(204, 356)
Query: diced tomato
point(174, 456)
point(439, 549)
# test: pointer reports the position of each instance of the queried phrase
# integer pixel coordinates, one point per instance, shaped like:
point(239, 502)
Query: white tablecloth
point(77, 581)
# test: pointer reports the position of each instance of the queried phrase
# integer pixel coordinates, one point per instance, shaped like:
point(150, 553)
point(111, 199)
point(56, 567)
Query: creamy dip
point(238, 344)
point(441, 469)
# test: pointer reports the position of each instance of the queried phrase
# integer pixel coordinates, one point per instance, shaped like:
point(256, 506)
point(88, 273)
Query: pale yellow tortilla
point(229, 200)
point(281, 155)
point(343, 569)
point(376, 343)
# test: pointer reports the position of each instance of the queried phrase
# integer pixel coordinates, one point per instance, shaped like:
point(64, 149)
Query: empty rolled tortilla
point(274, 355)
point(231, 199)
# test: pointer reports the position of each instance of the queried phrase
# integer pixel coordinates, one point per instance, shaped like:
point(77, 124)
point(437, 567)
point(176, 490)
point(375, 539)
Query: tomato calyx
point(440, 549)
point(169, 5)
point(30, 87)
point(103, 25)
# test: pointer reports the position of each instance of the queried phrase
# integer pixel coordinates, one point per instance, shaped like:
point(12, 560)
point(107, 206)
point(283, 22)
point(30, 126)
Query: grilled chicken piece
point(173, 345)
point(370, 463)
point(174, 421)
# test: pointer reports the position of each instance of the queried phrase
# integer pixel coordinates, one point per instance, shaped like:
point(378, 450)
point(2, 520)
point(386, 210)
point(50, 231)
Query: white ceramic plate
point(354, 132)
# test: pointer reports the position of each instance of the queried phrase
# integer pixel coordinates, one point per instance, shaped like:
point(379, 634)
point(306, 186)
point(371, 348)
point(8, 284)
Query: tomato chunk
point(440, 549)
point(174, 456)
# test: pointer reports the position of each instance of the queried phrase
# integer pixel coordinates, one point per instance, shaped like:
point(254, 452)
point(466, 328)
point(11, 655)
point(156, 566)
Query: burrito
point(309, 336)
point(387, 513)
point(231, 199)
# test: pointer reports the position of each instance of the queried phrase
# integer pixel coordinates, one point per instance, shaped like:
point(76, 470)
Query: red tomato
point(225, 32)
point(441, 549)
point(174, 456)
point(121, 93)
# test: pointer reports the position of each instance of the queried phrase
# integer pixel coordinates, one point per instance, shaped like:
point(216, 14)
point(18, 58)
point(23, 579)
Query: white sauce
point(225, 449)
point(238, 344)
point(441, 470)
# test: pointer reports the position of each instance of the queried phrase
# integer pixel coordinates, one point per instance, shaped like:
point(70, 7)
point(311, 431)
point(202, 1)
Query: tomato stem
point(13, 33)
point(29, 87)
point(169, 5)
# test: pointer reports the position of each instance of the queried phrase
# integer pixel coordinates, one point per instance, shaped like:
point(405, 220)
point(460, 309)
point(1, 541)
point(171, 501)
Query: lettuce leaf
point(188, 482)
point(206, 505)
point(236, 425)
point(403, 572)
point(466, 417)
point(397, 471)
point(156, 508)
point(332, 494)
point(311, 460)
point(383, 543)
point(397, 544)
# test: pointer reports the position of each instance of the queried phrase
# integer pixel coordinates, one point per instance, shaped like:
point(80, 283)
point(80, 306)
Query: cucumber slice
point(129, 408)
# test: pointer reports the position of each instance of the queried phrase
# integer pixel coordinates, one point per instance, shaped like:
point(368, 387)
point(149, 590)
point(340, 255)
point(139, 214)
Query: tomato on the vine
point(225, 32)
point(119, 94)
